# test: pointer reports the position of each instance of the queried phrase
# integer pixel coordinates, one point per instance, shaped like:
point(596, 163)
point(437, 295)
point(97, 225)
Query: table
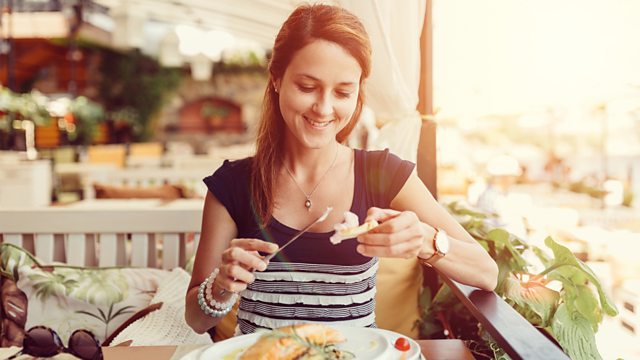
point(431, 349)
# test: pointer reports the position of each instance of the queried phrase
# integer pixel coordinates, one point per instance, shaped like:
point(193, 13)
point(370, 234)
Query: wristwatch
point(440, 247)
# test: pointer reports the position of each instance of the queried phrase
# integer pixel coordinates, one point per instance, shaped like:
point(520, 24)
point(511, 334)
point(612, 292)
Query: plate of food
point(311, 342)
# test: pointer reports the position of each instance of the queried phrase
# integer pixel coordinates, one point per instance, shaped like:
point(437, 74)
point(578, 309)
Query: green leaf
point(575, 334)
point(565, 264)
point(533, 296)
point(505, 268)
point(443, 297)
point(504, 238)
point(457, 208)
point(587, 305)
point(544, 258)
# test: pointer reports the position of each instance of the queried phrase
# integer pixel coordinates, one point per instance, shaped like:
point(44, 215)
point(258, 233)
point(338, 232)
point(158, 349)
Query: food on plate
point(350, 228)
point(299, 342)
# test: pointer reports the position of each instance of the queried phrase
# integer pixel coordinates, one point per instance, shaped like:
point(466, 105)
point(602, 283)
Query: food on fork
point(350, 228)
point(303, 342)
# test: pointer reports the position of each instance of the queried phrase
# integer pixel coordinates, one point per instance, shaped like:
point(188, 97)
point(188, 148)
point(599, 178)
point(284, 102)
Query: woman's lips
point(317, 124)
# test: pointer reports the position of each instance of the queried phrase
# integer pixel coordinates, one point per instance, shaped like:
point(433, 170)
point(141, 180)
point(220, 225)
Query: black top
point(311, 280)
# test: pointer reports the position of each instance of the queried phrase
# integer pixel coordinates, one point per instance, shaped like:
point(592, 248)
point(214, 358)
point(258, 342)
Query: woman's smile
point(323, 124)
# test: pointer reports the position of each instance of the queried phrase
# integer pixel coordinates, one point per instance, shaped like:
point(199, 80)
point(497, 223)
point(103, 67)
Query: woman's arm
point(409, 231)
point(218, 248)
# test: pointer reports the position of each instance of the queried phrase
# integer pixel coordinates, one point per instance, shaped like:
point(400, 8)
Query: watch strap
point(435, 251)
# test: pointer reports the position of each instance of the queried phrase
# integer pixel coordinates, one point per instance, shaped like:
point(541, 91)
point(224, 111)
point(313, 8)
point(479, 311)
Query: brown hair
point(306, 24)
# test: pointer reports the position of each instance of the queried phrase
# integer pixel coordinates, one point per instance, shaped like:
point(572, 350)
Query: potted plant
point(551, 288)
point(85, 115)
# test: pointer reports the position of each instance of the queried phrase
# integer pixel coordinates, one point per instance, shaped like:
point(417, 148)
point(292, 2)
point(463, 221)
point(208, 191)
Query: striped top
point(311, 280)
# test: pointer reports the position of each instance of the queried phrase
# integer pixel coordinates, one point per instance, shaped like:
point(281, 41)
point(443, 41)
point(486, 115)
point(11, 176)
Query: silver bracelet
point(203, 303)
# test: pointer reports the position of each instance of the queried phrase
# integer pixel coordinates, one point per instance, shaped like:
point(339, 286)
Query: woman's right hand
point(240, 260)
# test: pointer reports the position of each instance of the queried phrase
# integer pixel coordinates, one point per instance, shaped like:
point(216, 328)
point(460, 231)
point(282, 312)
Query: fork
point(320, 219)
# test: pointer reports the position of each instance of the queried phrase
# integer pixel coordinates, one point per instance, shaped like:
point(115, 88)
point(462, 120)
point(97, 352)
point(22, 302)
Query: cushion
point(67, 298)
point(226, 328)
point(166, 192)
point(167, 325)
point(399, 282)
point(138, 315)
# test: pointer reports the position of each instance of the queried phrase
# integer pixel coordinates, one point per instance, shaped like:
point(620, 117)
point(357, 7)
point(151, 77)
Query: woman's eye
point(343, 95)
point(306, 89)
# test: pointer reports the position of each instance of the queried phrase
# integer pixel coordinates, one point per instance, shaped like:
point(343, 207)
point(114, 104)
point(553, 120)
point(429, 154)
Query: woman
point(321, 58)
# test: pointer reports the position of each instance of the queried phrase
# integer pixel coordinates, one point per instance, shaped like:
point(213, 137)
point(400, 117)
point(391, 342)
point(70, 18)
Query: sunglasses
point(41, 341)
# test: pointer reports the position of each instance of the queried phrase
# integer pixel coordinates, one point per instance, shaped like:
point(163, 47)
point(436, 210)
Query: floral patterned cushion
point(66, 298)
point(167, 325)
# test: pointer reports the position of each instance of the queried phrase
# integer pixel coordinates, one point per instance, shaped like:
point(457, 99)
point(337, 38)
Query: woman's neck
point(311, 163)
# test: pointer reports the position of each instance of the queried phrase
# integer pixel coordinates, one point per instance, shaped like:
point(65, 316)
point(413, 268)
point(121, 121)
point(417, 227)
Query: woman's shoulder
point(377, 158)
point(230, 173)
point(236, 167)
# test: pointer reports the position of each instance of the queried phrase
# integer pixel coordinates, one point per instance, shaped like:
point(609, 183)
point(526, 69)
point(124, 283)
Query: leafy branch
point(571, 314)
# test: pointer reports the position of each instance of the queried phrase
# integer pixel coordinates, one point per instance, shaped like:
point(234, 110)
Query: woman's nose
point(323, 105)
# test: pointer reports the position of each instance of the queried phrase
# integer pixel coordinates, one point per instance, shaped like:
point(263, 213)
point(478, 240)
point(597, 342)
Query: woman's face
point(318, 93)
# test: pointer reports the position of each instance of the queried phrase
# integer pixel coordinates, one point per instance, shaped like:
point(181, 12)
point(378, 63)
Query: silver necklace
point(308, 202)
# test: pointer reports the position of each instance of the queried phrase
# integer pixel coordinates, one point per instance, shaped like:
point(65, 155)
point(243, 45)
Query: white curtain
point(392, 89)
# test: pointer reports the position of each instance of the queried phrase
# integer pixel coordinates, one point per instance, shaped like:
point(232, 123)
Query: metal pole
point(427, 166)
point(11, 53)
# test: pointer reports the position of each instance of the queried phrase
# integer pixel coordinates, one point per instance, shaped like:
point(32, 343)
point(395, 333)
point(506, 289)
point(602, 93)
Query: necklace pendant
point(307, 204)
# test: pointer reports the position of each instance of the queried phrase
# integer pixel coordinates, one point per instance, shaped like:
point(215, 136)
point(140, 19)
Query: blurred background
point(536, 107)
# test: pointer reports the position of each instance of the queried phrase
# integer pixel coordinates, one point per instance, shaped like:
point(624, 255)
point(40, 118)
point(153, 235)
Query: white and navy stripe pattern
point(289, 293)
point(315, 280)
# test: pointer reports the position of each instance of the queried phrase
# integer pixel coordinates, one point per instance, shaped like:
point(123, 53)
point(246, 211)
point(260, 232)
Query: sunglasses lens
point(84, 345)
point(41, 342)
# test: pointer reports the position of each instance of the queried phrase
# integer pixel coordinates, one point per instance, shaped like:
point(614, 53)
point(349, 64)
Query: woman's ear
point(276, 85)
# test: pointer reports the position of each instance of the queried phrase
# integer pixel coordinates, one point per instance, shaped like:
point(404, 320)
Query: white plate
point(365, 343)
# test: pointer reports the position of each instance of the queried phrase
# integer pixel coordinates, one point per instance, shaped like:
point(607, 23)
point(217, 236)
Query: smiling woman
point(314, 97)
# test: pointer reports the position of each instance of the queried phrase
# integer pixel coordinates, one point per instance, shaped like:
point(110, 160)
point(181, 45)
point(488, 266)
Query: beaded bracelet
point(220, 312)
point(209, 295)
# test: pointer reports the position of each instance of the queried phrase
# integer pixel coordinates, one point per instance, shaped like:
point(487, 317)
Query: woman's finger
point(240, 256)
point(406, 249)
point(398, 223)
point(390, 238)
point(230, 285)
point(380, 215)
point(255, 245)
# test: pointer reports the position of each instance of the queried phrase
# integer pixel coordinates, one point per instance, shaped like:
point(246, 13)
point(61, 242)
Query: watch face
point(442, 242)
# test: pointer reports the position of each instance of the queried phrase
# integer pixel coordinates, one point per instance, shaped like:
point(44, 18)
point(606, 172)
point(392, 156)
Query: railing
point(147, 233)
point(515, 335)
point(90, 174)
point(109, 235)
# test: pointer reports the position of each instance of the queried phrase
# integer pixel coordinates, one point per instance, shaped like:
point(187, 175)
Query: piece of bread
point(350, 228)
point(288, 343)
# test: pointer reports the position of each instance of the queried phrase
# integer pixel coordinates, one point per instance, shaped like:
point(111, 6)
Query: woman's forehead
point(325, 62)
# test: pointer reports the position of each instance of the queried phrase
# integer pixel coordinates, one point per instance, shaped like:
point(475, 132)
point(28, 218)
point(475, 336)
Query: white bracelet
point(206, 308)
point(209, 295)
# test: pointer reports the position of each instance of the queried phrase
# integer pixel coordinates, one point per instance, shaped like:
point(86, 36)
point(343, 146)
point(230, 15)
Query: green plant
point(550, 287)
point(30, 106)
point(87, 115)
point(135, 81)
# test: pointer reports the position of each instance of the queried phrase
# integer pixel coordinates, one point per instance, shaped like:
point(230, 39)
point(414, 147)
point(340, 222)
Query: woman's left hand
point(400, 234)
